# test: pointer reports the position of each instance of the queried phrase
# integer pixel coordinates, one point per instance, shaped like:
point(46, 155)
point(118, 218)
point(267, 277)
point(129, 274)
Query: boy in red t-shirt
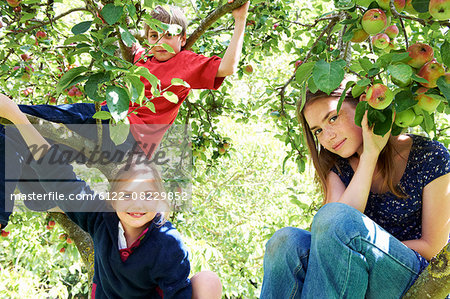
point(198, 71)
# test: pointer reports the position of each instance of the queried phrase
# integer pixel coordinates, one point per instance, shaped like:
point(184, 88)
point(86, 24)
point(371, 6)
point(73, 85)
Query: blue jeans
point(346, 255)
point(77, 114)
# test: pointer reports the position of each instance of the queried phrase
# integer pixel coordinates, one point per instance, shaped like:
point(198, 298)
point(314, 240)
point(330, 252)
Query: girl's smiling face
point(338, 133)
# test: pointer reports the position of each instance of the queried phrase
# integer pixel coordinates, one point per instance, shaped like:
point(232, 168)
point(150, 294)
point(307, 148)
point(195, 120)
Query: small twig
point(404, 32)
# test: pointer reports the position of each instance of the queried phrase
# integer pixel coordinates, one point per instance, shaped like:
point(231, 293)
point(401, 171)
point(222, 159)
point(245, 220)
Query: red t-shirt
point(195, 69)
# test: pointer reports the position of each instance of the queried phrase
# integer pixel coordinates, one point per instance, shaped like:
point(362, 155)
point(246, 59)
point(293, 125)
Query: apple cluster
point(424, 66)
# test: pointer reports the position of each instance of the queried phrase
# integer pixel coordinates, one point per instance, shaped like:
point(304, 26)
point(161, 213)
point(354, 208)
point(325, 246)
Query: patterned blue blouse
point(402, 217)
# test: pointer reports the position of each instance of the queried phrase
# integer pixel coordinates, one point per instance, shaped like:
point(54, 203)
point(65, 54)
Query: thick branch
point(210, 19)
point(434, 281)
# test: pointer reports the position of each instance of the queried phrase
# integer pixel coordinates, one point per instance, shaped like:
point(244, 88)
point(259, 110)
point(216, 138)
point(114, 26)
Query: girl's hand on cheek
point(9, 109)
point(373, 144)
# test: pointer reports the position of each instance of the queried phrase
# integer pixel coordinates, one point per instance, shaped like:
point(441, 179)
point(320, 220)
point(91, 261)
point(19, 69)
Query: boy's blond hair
point(174, 16)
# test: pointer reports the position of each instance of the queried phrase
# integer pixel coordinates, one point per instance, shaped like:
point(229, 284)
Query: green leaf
point(77, 38)
point(112, 13)
point(328, 76)
point(358, 90)
point(420, 5)
point(344, 4)
point(359, 112)
point(81, 27)
point(373, 71)
point(304, 71)
point(445, 53)
point(150, 106)
point(170, 96)
point(404, 100)
point(68, 77)
point(144, 72)
point(178, 81)
point(137, 89)
point(428, 122)
point(102, 115)
point(168, 48)
point(384, 124)
point(26, 17)
point(118, 102)
point(119, 132)
point(444, 87)
point(127, 38)
point(365, 63)
point(419, 79)
point(363, 82)
point(400, 72)
point(312, 85)
point(110, 50)
point(401, 57)
point(91, 86)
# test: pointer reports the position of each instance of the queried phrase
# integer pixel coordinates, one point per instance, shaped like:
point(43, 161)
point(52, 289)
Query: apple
point(16, 68)
point(390, 47)
point(63, 237)
point(439, 9)
point(381, 40)
point(251, 23)
point(399, 5)
point(25, 57)
point(405, 118)
point(40, 35)
point(71, 93)
point(248, 69)
point(417, 121)
point(25, 77)
point(275, 26)
point(62, 250)
point(379, 96)
point(29, 69)
point(374, 21)
point(298, 63)
point(69, 241)
point(226, 145)
point(4, 234)
point(420, 54)
point(431, 71)
point(52, 100)
point(359, 36)
point(409, 8)
point(13, 3)
point(222, 151)
point(426, 102)
point(17, 9)
point(51, 223)
point(391, 31)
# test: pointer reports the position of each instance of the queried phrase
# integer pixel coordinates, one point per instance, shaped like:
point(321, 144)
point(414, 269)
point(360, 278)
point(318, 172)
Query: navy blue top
point(402, 217)
point(160, 260)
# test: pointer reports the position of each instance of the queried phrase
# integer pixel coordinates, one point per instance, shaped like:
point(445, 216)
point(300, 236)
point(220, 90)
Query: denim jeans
point(75, 114)
point(346, 255)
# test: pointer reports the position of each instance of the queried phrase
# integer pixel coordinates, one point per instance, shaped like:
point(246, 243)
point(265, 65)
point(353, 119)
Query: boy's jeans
point(77, 114)
point(346, 255)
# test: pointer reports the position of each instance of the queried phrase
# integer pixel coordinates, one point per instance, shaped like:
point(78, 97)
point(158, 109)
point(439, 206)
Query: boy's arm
point(233, 53)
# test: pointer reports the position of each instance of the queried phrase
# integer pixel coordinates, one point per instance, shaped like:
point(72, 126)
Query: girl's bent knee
point(286, 241)
point(207, 285)
point(335, 217)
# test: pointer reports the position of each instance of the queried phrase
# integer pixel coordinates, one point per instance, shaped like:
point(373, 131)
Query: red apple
point(69, 241)
point(16, 68)
point(391, 31)
point(4, 234)
point(222, 151)
point(51, 223)
point(381, 40)
point(379, 96)
point(399, 4)
point(226, 145)
point(62, 250)
point(298, 63)
point(63, 237)
point(359, 36)
point(71, 93)
point(426, 102)
point(40, 35)
point(431, 71)
point(17, 9)
point(251, 23)
point(420, 54)
point(374, 21)
point(275, 26)
point(13, 3)
point(25, 57)
point(248, 69)
point(29, 69)
point(439, 9)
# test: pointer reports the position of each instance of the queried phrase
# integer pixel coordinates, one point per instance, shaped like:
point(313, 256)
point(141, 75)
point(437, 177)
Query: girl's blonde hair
point(324, 160)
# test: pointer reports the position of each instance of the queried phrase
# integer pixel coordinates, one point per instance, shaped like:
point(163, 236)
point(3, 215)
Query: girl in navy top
point(138, 254)
point(386, 212)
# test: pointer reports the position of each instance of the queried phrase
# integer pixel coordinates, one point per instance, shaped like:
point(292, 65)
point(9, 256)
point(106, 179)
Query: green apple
point(359, 36)
point(374, 21)
point(420, 54)
point(381, 40)
point(405, 118)
point(379, 96)
point(391, 31)
point(439, 9)
point(426, 102)
point(248, 69)
point(431, 71)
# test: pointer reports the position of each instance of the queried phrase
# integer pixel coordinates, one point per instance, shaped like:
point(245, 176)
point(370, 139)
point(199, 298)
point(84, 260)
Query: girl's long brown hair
point(324, 160)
